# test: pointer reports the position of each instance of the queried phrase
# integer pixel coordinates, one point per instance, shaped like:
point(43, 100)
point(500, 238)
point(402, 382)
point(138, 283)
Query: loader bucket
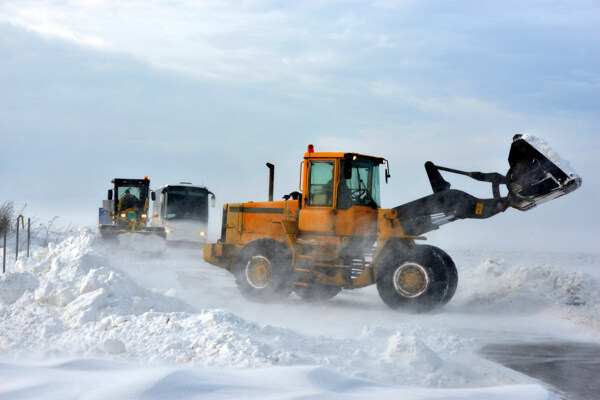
point(537, 174)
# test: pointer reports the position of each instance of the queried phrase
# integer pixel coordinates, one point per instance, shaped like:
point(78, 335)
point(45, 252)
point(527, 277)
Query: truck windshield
point(185, 203)
point(362, 188)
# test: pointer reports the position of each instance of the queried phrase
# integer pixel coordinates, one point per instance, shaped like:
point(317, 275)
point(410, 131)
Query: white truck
point(182, 210)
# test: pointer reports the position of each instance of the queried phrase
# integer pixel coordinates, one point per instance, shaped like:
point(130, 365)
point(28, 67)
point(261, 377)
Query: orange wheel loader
point(332, 234)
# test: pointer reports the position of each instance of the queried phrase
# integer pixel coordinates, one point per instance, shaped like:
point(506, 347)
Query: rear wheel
point(317, 292)
point(264, 271)
point(414, 278)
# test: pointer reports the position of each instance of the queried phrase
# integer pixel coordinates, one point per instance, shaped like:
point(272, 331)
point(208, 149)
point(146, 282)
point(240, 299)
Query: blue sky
point(209, 91)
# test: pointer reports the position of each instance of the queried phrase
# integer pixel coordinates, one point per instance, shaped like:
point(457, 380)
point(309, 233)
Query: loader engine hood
point(537, 173)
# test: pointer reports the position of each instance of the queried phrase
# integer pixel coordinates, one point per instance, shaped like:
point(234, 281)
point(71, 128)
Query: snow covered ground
point(82, 319)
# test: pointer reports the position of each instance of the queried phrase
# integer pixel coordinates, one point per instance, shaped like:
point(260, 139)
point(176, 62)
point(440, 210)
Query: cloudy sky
point(208, 92)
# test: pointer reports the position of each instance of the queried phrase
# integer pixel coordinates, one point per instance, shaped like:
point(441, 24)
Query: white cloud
point(214, 40)
point(252, 81)
point(426, 47)
point(35, 19)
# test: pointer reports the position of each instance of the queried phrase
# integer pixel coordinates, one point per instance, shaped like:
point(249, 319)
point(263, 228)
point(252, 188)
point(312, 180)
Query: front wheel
point(452, 274)
point(264, 271)
point(415, 278)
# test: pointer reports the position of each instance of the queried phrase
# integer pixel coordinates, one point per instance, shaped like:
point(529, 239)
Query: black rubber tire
point(317, 292)
point(429, 261)
point(279, 284)
point(452, 274)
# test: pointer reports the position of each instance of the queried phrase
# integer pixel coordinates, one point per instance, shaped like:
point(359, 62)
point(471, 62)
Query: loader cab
point(359, 182)
point(341, 193)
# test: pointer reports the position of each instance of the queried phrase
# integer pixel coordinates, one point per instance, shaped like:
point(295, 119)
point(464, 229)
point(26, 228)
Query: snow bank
point(68, 301)
point(13, 286)
point(50, 302)
point(495, 286)
point(108, 379)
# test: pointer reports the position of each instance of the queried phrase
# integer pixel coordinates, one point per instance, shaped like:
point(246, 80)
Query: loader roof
point(339, 155)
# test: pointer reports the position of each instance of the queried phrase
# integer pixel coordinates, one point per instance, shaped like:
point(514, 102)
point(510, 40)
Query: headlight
point(202, 233)
point(123, 215)
point(144, 215)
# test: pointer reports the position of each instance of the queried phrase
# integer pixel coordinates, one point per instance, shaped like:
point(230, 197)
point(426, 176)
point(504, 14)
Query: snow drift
point(70, 302)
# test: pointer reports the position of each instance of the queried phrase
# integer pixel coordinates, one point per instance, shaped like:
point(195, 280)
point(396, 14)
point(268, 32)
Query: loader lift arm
point(446, 205)
point(535, 176)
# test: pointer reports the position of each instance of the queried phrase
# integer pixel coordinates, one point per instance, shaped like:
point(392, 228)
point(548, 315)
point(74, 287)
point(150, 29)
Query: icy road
point(81, 319)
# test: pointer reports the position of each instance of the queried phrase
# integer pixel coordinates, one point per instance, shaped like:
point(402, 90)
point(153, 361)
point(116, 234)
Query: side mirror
point(347, 170)
point(153, 196)
point(212, 200)
point(109, 194)
point(387, 171)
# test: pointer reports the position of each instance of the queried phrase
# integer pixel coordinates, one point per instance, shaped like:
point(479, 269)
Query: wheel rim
point(259, 272)
point(410, 279)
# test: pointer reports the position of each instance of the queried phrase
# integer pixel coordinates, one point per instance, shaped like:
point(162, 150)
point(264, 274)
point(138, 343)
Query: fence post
point(4, 252)
point(28, 235)
point(17, 249)
point(23, 224)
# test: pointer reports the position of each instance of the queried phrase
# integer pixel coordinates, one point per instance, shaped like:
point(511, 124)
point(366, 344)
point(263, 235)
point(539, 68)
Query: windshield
point(138, 192)
point(362, 187)
point(131, 196)
point(185, 203)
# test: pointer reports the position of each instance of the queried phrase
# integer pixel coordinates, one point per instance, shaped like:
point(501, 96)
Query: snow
point(544, 148)
point(83, 319)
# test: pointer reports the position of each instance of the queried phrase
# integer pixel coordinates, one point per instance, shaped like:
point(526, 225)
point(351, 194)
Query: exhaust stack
point(271, 179)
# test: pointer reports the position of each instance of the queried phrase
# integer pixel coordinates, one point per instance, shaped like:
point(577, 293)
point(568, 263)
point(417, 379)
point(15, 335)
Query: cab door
point(317, 215)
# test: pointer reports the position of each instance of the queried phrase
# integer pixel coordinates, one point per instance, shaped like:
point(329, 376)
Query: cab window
point(361, 186)
point(320, 184)
point(134, 190)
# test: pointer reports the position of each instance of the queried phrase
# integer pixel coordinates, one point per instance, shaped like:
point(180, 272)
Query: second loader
point(332, 234)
